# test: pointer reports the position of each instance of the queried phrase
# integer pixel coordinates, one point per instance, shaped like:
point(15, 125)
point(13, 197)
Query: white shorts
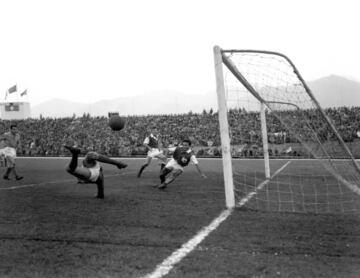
point(172, 164)
point(94, 173)
point(8, 152)
point(154, 153)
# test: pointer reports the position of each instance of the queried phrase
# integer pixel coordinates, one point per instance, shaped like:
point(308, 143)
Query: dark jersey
point(182, 156)
point(152, 141)
point(10, 139)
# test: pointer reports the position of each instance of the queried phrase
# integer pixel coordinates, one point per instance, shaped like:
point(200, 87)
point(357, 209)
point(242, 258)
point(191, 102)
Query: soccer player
point(10, 141)
point(175, 167)
point(2, 153)
point(151, 143)
point(91, 171)
point(2, 159)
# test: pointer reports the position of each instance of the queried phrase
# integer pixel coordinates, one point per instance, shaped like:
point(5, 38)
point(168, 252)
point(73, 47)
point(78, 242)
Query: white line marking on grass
point(35, 184)
point(165, 267)
point(58, 181)
point(168, 264)
point(243, 201)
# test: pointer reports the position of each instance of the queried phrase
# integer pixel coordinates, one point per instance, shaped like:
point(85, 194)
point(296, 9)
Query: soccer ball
point(116, 123)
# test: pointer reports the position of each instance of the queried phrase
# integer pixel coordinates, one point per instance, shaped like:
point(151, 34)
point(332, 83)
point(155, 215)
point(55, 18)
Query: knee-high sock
point(100, 188)
point(108, 160)
point(8, 171)
point(73, 163)
point(15, 172)
point(163, 174)
point(169, 180)
point(142, 169)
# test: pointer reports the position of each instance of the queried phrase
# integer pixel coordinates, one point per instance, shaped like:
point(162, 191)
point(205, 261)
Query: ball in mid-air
point(116, 123)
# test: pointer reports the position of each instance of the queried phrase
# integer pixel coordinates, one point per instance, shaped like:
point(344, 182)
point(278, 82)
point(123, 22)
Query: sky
point(88, 50)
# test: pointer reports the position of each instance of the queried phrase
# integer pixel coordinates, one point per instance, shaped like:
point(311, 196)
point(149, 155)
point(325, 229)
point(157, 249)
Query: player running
point(151, 143)
point(91, 171)
point(175, 167)
point(9, 142)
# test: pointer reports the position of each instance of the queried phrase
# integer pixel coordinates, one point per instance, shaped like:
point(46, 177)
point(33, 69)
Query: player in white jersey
point(182, 156)
point(91, 171)
point(10, 141)
point(151, 143)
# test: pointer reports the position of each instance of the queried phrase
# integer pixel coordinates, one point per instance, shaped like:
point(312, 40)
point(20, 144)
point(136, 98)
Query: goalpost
point(262, 91)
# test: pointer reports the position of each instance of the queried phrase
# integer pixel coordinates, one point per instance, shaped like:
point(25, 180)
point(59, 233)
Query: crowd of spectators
point(46, 136)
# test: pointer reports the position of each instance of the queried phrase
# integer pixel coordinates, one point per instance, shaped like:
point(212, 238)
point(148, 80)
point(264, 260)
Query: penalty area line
point(35, 184)
point(168, 264)
point(58, 181)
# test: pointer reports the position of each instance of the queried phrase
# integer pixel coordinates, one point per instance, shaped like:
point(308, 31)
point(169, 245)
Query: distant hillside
point(331, 91)
point(162, 102)
point(58, 108)
point(335, 91)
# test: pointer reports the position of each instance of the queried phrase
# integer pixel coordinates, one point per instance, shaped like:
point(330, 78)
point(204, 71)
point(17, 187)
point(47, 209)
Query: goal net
point(299, 161)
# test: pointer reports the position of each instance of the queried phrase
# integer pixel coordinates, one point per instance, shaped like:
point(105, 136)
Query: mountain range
point(336, 91)
point(330, 91)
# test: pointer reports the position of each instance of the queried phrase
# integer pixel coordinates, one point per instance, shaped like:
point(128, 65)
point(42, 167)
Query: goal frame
point(220, 60)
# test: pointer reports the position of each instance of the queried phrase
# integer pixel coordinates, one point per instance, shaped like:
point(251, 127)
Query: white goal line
point(168, 264)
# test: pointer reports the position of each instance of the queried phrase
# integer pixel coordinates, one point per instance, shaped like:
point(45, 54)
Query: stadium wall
point(15, 110)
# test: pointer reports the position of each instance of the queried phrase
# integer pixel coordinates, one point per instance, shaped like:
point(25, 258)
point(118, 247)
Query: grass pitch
point(50, 226)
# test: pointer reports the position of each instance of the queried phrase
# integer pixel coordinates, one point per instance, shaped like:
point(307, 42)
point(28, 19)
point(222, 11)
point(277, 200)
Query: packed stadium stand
point(46, 136)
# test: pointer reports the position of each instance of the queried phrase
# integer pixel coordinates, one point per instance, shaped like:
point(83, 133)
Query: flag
point(24, 93)
point(12, 89)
